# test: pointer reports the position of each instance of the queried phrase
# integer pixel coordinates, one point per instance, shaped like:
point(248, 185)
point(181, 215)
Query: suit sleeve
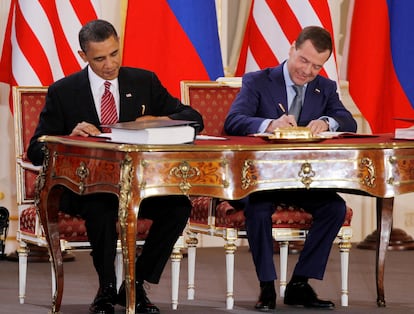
point(336, 110)
point(244, 116)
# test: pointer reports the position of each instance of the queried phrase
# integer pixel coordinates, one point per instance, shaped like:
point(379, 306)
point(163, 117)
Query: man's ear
point(82, 55)
point(292, 49)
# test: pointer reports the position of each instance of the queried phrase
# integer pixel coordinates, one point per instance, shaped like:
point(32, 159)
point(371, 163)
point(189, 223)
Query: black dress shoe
point(104, 301)
point(267, 298)
point(301, 293)
point(142, 303)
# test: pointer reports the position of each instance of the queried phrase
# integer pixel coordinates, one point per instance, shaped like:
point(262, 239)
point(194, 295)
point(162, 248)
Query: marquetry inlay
point(185, 174)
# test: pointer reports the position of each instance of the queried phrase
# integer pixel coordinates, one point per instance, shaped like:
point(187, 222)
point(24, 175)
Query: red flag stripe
point(260, 48)
point(286, 18)
point(65, 52)
point(31, 48)
point(85, 10)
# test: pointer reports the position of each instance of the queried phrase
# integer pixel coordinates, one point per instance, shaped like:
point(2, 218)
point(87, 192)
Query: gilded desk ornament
point(41, 177)
point(367, 165)
point(127, 171)
point(392, 160)
point(246, 178)
point(224, 163)
point(306, 173)
point(184, 171)
point(82, 172)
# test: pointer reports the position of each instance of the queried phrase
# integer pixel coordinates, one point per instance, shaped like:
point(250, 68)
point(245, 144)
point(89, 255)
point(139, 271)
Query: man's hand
point(318, 126)
point(148, 118)
point(283, 122)
point(85, 129)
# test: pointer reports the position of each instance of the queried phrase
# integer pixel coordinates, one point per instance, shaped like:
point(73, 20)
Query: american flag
point(272, 27)
point(41, 40)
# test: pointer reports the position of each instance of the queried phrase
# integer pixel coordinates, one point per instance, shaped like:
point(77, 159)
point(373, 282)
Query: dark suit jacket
point(70, 101)
point(262, 91)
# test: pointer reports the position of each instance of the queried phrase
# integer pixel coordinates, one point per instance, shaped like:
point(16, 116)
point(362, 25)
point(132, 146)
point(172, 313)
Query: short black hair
point(320, 38)
point(95, 31)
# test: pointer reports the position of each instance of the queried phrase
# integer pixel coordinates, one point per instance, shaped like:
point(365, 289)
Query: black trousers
point(100, 212)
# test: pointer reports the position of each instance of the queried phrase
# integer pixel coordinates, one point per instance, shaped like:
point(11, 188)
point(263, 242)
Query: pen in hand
point(282, 108)
point(284, 112)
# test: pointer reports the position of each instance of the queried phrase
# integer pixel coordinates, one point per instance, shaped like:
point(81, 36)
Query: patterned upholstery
point(226, 216)
point(213, 104)
point(218, 218)
point(72, 228)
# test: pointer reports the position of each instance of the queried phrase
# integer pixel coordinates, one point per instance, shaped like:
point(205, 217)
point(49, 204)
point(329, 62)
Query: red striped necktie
point(108, 108)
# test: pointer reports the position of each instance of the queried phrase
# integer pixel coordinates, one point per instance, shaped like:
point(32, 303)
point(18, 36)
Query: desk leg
point(384, 223)
point(48, 211)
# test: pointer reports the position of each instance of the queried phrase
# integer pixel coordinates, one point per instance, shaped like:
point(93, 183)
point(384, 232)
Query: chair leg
point(119, 265)
point(53, 277)
point(344, 248)
point(22, 252)
point(230, 248)
point(192, 242)
point(283, 252)
point(176, 257)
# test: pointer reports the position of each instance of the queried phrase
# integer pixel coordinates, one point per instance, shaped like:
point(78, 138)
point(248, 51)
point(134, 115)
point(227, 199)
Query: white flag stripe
point(22, 69)
point(251, 61)
point(304, 13)
point(71, 26)
point(41, 27)
point(271, 30)
point(96, 6)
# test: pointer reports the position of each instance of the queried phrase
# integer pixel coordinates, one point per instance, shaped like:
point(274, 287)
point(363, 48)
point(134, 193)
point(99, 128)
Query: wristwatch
point(327, 122)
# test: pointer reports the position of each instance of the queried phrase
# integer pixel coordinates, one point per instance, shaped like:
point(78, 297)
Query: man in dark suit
point(73, 107)
point(266, 102)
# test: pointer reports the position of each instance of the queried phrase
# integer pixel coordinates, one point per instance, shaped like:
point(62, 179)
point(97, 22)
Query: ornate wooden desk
point(380, 167)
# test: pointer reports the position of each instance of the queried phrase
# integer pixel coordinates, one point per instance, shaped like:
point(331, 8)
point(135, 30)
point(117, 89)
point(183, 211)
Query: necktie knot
point(109, 114)
point(298, 89)
point(296, 106)
point(107, 86)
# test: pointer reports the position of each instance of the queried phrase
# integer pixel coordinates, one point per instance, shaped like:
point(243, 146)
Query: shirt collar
point(287, 78)
point(97, 82)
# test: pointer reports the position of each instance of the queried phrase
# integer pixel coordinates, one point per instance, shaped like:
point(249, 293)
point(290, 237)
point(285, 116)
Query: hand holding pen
point(289, 119)
point(283, 121)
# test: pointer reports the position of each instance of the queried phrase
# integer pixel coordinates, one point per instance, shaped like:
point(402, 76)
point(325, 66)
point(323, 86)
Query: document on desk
point(404, 133)
point(343, 135)
point(210, 137)
point(152, 132)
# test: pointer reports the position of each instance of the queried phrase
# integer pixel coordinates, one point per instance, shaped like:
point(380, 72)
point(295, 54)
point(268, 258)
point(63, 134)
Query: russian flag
point(380, 62)
point(177, 39)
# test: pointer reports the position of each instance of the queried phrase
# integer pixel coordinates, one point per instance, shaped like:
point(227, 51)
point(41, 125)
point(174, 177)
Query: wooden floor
point(81, 284)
